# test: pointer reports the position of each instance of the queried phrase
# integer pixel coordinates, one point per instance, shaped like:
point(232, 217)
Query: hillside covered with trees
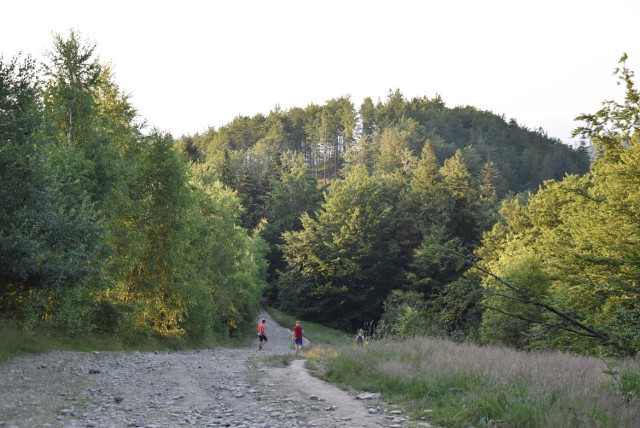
point(369, 209)
point(402, 213)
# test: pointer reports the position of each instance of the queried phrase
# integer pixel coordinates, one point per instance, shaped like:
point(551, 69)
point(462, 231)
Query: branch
point(520, 317)
point(529, 299)
point(542, 323)
point(502, 281)
point(505, 296)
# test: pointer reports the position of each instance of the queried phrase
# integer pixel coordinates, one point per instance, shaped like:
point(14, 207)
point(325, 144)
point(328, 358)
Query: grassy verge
point(453, 384)
point(15, 342)
point(461, 385)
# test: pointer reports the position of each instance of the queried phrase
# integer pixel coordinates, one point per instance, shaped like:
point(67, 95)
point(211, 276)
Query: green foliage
point(20, 100)
point(406, 312)
point(108, 229)
point(230, 264)
point(453, 311)
point(499, 327)
point(570, 252)
point(199, 322)
point(440, 205)
point(437, 261)
point(393, 153)
point(347, 257)
point(293, 192)
point(74, 311)
point(74, 72)
point(107, 317)
point(611, 127)
point(105, 230)
point(21, 178)
point(50, 233)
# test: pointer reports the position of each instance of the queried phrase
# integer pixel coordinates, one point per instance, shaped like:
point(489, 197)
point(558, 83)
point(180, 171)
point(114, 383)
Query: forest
point(402, 214)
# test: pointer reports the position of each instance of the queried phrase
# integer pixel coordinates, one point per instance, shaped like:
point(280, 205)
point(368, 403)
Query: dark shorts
point(262, 337)
point(298, 341)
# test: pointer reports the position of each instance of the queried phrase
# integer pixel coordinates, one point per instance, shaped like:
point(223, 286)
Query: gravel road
point(198, 388)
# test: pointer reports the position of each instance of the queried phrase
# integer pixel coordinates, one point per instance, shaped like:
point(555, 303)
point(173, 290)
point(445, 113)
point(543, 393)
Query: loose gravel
point(197, 388)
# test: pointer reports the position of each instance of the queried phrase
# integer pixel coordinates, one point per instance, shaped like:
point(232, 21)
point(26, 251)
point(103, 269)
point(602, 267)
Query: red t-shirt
point(261, 329)
point(297, 332)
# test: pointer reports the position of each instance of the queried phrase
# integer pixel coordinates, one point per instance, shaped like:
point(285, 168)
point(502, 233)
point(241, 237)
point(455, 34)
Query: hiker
point(262, 337)
point(297, 334)
point(360, 338)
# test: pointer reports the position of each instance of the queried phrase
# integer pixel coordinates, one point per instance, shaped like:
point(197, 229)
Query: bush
point(134, 328)
point(107, 317)
point(73, 313)
point(200, 320)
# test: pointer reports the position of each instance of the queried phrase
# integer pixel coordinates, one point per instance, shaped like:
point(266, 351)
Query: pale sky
point(189, 65)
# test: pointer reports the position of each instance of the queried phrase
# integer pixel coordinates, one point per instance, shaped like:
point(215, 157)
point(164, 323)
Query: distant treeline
point(403, 214)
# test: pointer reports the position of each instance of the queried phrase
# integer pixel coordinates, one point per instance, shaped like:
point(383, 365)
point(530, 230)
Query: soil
point(201, 388)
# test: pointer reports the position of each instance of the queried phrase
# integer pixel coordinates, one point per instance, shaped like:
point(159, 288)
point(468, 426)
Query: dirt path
point(199, 388)
point(337, 407)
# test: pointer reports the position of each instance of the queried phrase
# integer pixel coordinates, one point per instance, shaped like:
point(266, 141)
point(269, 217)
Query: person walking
point(297, 334)
point(262, 336)
point(360, 338)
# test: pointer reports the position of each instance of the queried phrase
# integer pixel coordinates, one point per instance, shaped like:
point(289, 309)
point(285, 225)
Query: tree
point(346, 257)
point(437, 298)
point(22, 179)
point(20, 114)
point(104, 229)
point(368, 118)
point(393, 152)
point(226, 265)
point(564, 264)
point(465, 199)
point(294, 192)
point(70, 96)
point(393, 111)
point(490, 186)
point(50, 234)
point(426, 211)
point(612, 127)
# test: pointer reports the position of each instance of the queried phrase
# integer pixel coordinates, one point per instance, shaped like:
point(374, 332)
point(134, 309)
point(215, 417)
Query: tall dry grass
point(463, 384)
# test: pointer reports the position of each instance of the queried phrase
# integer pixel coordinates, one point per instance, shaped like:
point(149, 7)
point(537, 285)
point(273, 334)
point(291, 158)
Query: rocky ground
point(200, 388)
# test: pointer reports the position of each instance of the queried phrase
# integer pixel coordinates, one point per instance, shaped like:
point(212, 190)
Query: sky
point(191, 65)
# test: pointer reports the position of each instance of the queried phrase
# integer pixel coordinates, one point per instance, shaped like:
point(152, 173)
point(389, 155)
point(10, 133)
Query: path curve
point(341, 409)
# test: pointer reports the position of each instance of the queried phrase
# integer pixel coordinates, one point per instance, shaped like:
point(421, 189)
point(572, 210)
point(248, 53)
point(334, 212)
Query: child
point(360, 338)
point(262, 336)
point(297, 334)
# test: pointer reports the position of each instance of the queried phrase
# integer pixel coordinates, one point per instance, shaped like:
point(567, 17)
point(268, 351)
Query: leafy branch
point(526, 297)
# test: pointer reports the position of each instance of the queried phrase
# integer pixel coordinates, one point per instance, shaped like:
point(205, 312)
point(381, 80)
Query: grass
point(316, 333)
point(452, 384)
point(462, 385)
point(15, 342)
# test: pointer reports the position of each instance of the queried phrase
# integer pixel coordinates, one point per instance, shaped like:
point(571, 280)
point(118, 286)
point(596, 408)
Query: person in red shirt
point(297, 334)
point(262, 336)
